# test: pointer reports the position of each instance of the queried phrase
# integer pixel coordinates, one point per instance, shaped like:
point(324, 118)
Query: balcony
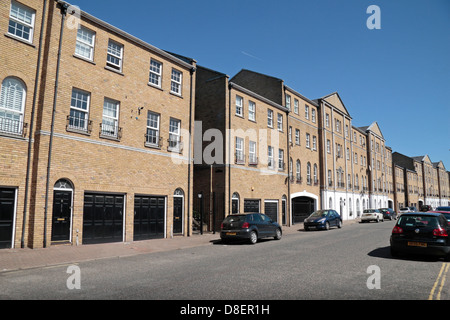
point(175, 143)
point(252, 160)
point(14, 128)
point(153, 140)
point(78, 125)
point(108, 131)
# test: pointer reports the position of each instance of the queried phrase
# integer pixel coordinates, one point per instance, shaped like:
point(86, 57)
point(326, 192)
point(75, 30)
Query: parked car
point(445, 211)
point(426, 208)
point(388, 213)
point(249, 226)
point(372, 215)
point(420, 233)
point(403, 210)
point(323, 219)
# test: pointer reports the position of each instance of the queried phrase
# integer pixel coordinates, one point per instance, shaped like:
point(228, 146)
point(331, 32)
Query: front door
point(62, 207)
point(7, 203)
point(177, 215)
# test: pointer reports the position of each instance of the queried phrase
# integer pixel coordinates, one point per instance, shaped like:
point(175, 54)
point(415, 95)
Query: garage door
point(251, 206)
point(271, 209)
point(149, 217)
point(102, 218)
point(7, 198)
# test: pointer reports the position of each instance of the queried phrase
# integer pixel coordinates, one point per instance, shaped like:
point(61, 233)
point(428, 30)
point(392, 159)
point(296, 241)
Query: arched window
point(308, 173)
point(63, 184)
point(315, 174)
point(179, 192)
point(12, 105)
point(298, 173)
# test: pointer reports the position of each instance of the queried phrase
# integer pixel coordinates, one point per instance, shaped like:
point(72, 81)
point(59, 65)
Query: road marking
point(441, 278)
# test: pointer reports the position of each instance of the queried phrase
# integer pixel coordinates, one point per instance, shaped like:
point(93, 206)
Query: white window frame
point(115, 51)
point(176, 81)
point(280, 122)
point(19, 19)
point(153, 124)
point(85, 45)
point(270, 159)
point(297, 136)
point(296, 106)
point(251, 110)
point(280, 159)
point(314, 146)
point(80, 110)
point(252, 159)
point(11, 109)
point(306, 112)
point(313, 115)
point(288, 102)
point(174, 136)
point(239, 150)
point(308, 138)
point(239, 106)
point(155, 74)
point(108, 129)
point(270, 118)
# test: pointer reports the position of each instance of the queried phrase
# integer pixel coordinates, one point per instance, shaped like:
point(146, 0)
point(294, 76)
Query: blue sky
point(398, 75)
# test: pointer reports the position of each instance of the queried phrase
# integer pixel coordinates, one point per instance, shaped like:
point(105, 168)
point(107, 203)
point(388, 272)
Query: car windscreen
point(418, 221)
point(319, 213)
point(443, 209)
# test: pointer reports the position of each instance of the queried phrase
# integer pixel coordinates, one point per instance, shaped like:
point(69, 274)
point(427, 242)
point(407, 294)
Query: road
point(320, 265)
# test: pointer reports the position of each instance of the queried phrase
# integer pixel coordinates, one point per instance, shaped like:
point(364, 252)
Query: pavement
point(26, 258)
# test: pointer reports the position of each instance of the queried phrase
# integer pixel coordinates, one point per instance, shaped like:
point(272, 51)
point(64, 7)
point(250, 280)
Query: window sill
point(114, 70)
point(13, 135)
point(8, 35)
point(79, 131)
point(151, 145)
point(154, 86)
point(84, 59)
point(112, 138)
point(176, 95)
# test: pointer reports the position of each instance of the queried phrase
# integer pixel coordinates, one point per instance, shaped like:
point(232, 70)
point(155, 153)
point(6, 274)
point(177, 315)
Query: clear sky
point(398, 75)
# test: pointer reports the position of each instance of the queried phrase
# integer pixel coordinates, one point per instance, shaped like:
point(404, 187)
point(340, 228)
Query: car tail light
point(440, 232)
point(397, 230)
point(221, 225)
point(245, 225)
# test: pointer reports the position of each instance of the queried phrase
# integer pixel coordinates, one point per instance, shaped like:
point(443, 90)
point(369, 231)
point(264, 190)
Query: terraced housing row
point(98, 140)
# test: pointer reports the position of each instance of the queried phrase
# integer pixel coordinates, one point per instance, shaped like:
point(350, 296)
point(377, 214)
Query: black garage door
point(7, 197)
point(251, 206)
point(302, 207)
point(102, 218)
point(271, 210)
point(148, 217)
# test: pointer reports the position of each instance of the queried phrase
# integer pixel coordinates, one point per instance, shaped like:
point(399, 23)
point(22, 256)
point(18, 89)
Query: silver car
point(372, 215)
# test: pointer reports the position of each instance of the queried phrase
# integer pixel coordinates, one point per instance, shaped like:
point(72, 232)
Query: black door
point(251, 206)
point(177, 214)
point(148, 217)
point(271, 210)
point(7, 197)
point(302, 207)
point(61, 215)
point(102, 218)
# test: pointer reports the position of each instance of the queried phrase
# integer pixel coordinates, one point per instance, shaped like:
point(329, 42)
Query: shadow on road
point(385, 252)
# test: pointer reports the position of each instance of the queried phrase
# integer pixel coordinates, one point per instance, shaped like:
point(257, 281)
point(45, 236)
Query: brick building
point(94, 131)
point(244, 168)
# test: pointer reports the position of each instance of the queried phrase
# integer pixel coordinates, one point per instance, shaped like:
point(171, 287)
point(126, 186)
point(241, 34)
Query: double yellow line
point(440, 279)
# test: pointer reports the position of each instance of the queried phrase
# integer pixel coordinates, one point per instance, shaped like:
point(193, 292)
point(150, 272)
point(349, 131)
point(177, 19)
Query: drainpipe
point(189, 157)
point(30, 139)
point(63, 8)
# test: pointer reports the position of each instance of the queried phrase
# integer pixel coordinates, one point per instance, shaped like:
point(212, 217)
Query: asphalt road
point(319, 265)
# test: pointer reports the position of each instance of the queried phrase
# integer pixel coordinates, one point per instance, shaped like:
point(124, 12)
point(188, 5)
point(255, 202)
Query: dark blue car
point(323, 219)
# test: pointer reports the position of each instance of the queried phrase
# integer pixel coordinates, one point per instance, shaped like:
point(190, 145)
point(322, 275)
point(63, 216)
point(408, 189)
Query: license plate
point(231, 233)
point(417, 244)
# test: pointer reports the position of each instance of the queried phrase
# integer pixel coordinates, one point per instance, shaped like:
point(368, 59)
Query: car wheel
point(253, 237)
point(327, 225)
point(378, 220)
point(339, 225)
point(277, 234)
